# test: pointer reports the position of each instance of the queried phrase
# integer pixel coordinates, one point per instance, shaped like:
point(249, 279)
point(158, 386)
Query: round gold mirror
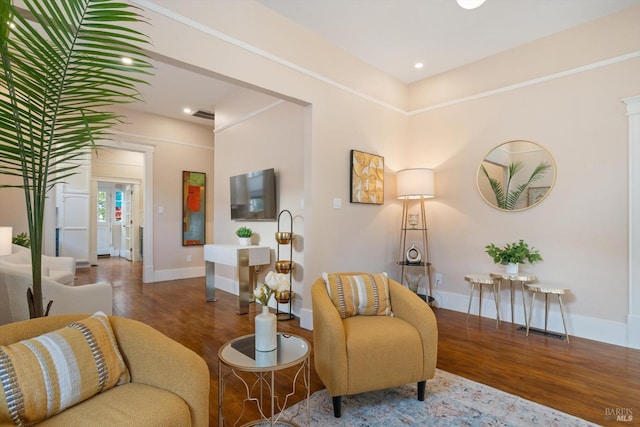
point(516, 175)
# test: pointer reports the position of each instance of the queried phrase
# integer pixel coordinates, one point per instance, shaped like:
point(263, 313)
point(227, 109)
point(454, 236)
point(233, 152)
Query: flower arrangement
point(513, 253)
point(274, 283)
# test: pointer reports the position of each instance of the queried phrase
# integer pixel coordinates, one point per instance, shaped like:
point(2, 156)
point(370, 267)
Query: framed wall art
point(194, 186)
point(367, 178)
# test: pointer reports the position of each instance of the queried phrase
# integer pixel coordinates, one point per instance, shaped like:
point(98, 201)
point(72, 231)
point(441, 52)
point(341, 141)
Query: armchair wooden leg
point(422, 385)
point(337, 406)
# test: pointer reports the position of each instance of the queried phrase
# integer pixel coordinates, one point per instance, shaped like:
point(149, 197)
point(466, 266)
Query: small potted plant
point(244, 234)
point(513, 254)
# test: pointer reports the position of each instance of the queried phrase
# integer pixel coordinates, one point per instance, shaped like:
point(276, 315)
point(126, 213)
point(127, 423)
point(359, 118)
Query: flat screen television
point(253, 196)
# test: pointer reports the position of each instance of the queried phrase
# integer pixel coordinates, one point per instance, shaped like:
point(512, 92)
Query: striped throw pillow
point(43, 376)
point(364, 294)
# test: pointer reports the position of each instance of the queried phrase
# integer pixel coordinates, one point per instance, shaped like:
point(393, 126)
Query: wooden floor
point(585, 378)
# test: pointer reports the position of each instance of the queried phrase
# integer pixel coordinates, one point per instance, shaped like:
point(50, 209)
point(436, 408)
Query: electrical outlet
point(188, 258)
point(438, 280)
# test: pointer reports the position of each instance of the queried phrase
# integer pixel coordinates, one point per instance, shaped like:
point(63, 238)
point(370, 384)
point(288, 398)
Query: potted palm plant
point(513, 254)
point(63, 65)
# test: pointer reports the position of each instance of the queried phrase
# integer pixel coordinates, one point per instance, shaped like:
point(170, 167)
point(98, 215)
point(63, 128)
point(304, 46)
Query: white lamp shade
point(415, 183)
point(470, 4)
point(6, 236)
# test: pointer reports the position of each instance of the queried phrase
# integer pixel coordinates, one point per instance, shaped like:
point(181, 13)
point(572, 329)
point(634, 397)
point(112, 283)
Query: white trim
point(633, 317)
point(179, 273)
point(580, 326)
point(248, 116)
point(306, 319)
point(151, 138)
point(531, 82)
point(255, 50)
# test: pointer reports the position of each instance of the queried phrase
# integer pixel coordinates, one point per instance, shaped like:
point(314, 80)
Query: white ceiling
point(392, 35)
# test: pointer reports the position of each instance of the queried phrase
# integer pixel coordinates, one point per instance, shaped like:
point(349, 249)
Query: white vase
point(266, 330)
point(512, 268)
point(245, 241)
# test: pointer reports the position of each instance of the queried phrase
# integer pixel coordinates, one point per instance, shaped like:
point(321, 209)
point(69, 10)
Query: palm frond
point(58, 72)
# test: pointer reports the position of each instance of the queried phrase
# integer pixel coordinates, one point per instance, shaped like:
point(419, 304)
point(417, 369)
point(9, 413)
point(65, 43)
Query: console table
point(241, 257)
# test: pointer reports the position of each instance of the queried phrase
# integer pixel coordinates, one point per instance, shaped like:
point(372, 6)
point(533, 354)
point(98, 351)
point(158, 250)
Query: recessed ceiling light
point(470, 4)
point(418, 65)
point(186, 110)
point(127, 61)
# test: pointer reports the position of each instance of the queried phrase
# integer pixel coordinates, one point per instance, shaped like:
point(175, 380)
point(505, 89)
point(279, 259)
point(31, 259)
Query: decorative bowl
point(283, 237)
point(283, 297)
point(284, 266)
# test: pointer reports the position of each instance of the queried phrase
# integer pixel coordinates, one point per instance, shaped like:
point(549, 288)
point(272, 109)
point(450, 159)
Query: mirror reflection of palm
point(507, 197)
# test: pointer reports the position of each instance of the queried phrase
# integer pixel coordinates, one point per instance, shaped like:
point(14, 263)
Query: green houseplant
point(244, 235)
point(63, 65)
point(513, 254)
point(21, 239)
point(507, 197)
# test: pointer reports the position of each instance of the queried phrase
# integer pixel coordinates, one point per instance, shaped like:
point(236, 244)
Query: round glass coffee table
point(239, 355)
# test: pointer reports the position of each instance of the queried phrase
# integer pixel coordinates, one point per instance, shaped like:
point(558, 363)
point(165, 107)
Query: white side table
point(240, 355)
point(547, 291)
point(480, 280)
point(524, 279)
point(241, 257)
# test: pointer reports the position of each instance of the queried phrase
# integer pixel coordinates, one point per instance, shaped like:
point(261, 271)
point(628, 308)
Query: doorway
point(118, 221)
point(106, 169)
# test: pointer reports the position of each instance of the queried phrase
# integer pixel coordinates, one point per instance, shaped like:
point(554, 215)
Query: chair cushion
point(364, 294)
point(43, 376)
point(132, 404)
point(382, 352)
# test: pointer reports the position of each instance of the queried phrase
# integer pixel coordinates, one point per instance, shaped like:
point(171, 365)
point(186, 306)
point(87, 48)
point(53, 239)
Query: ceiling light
point(127, 61)
point(418, 65)
point(187, 110)
point(470, 4)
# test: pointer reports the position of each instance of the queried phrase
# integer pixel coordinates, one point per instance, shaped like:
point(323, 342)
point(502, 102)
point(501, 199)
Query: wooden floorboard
point(585, 378)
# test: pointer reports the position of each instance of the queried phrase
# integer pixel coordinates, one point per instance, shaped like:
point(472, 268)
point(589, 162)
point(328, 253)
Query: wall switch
point(188, 258)
point(160, 209)
point(337, 203)
point(438, 280)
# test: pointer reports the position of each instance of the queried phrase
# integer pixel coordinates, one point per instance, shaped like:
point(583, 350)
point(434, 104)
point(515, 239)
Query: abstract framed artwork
point(194, 186)
point(367, 178)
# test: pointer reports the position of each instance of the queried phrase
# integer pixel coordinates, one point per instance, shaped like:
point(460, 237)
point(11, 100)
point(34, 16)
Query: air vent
point(204, 114)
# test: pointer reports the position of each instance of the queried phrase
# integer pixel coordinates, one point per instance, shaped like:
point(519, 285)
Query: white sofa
point(66, 299)
point(60, 269)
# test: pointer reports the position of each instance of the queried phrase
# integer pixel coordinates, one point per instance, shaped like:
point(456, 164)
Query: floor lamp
point(415, 184)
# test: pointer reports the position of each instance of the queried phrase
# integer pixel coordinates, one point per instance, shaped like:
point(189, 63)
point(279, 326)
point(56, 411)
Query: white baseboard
point(306, 319)
point(617, 333)
point(633, 336)
point(178, 273)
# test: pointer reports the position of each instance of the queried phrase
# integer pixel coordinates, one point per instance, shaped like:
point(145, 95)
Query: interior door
point(105, 209)
point(127, 221)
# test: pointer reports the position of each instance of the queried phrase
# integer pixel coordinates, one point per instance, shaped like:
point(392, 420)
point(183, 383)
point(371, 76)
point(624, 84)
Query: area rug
point(450, 401)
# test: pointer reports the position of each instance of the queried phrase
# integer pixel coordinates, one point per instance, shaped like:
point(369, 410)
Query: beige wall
point(177, 146)
point(256, 132)
point(581, 228)
point(356, 237)
point(563, 92)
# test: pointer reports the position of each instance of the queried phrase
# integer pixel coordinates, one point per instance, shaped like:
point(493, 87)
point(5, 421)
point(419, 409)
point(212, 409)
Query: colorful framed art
point(194, 186)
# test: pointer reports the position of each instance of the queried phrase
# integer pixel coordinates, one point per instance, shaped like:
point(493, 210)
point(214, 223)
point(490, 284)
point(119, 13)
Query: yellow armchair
point(365, 353)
